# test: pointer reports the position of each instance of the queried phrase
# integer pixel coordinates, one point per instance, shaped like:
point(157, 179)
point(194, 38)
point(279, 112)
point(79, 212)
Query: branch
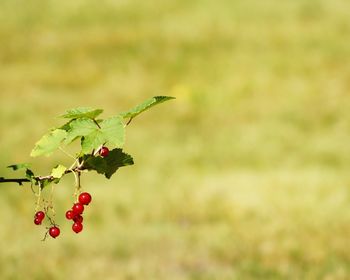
point(20, 181)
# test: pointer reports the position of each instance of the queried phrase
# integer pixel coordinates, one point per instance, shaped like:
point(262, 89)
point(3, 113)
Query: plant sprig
point(96, 136)
point(84, 125)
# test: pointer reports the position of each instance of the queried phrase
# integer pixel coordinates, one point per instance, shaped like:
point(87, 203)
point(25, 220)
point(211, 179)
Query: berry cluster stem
point(38, 195)
point(77, 184)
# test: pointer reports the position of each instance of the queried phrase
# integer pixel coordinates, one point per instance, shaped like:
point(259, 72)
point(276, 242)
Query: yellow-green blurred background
point(244, 176)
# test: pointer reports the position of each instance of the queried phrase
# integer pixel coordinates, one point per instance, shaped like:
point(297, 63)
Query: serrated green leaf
point(49, 143)
point(92, 141)
point(58, 171)
point(132, 113)
point(115, 159)
point(19, 166)
point(97, 163)
point(108, 165)
point(79, 128)
point(65, 127)
point(112, 131)
point(82, 112)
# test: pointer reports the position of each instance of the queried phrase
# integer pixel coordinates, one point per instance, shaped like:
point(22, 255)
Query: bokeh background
point(244, 176)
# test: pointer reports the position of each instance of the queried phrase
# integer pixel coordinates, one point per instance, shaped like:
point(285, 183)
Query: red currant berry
point(40, 215)
point(77, 227)
point(104, 151)
point(85, 198)
point(37, 221)
point(78, 208)
point(69, 214)
point(54, 231)
point(78, 219)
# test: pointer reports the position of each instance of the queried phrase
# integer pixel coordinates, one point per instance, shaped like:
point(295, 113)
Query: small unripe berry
point(85, 198)
point(77, 227)
point(78, 208)
point(54, 231)
point(104, 151)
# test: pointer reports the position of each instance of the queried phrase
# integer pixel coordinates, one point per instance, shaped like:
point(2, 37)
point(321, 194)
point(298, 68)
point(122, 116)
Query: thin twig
point(129, 121)
point(96, 123)
point(77, 185)
point(20, 181)
point(39, 179)
point(66, 153)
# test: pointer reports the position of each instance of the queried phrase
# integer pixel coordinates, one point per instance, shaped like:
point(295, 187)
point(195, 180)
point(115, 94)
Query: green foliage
point(82, 112)
point(49, 143)
point(108, 165)
point(58, 171)
point(149, 103)
point(19, 166)
point(93, 134)
point(111, 131)
point(79, 128)
point(30, 176)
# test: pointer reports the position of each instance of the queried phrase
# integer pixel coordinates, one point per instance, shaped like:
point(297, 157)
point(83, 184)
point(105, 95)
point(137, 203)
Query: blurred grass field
point(244, 176)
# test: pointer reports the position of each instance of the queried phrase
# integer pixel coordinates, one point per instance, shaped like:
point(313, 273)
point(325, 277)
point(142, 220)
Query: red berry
point(54, 231)
point(85, 198)
point(104, 151)
point(37, 221)
point(70, 214)
point(78, 208)
point(77, 227)
point(78, 219)
point(40, 215)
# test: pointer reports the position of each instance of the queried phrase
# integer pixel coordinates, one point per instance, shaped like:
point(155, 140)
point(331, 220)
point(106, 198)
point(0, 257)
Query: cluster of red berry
point(75, 213)
point(77, 210)
point(39, 216)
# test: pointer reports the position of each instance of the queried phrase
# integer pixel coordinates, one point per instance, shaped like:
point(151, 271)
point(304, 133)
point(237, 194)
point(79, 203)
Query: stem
point(50, 204)
point(96, 123)
point(75, 168)
point(20, 181)
point(74, 163)
point(77, 184)
point(37, 204)
point(129, 121)
point(66, 153)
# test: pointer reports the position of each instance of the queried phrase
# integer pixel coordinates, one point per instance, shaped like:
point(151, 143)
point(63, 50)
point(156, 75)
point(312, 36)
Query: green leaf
point(97, 163)
point(58, 171)
point(30, 176)
point(65, 127)
point(46, 182)
point(108, 165)
point(19, 166)
point(145, 106)
point(112, 131)
point(82, 112)
point(115, 159)
point(49, 143)
point(92, 141)
point(79, 128)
